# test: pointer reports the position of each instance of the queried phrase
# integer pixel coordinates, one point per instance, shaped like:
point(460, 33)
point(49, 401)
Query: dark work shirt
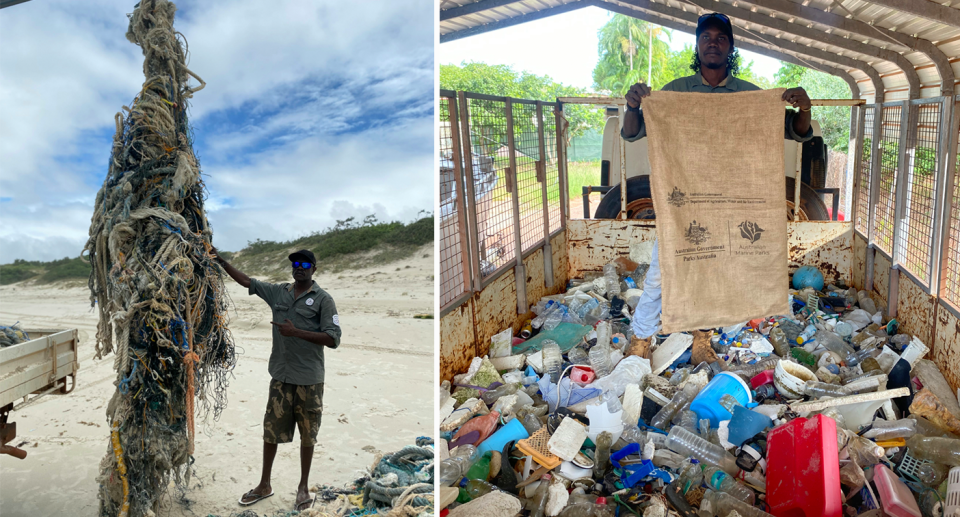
point(697, 84)
point(294, 360)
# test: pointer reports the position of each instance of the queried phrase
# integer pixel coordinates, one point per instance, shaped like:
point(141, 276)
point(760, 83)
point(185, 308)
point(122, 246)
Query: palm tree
point(631, 51)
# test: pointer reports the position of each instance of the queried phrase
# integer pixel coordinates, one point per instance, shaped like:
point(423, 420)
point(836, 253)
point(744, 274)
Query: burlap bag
point(717, 184)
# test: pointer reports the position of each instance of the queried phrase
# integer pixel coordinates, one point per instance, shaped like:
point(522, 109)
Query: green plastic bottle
point(803, 356)
point(480, 469)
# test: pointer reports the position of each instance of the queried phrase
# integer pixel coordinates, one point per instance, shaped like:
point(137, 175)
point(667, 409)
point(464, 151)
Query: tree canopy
point(834, 120)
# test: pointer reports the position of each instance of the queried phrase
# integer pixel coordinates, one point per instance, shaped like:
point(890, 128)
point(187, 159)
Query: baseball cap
point(717, 20)
point(303, 255)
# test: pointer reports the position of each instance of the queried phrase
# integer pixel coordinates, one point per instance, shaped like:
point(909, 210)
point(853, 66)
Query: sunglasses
point(721, 17)
point(302, 265)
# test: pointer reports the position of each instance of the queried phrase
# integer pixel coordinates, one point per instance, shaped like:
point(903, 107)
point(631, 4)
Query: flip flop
point(259, 498)
point(300, 506)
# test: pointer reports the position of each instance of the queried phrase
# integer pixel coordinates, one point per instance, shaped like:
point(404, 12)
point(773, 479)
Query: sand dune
point(378, 397)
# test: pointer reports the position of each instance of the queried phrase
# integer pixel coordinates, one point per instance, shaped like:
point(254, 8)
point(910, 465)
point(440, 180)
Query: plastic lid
point(601, 500)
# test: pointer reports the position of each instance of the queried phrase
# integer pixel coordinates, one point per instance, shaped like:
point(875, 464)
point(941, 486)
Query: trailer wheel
point(640, 205)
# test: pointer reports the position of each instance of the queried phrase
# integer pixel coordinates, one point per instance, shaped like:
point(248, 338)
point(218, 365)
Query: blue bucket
point(707, 403)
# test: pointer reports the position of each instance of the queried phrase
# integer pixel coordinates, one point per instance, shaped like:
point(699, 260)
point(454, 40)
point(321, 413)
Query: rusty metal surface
point(881, 281)
point(826, 245)
point(457, 346)
point(859, 261)
point(591, 243)
point(495, 309)
point(946, 347)
point(915, 310)
point(533, 267)
point(560, 265)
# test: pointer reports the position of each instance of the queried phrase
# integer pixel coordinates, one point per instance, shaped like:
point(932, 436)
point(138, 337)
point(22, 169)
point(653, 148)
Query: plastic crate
point(951, 504)
point(909, 466)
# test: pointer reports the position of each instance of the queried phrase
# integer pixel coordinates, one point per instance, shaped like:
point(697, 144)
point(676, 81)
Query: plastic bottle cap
point(601, 500)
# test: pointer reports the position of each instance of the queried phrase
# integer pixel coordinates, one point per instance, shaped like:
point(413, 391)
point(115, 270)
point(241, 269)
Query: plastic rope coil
point(403, 479)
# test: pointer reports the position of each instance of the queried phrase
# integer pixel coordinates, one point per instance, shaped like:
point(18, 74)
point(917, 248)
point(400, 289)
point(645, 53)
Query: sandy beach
point(378, 397)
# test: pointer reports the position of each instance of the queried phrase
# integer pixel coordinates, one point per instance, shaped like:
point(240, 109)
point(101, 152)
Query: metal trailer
point(46, 363)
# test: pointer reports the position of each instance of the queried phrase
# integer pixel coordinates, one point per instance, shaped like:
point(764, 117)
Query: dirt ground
point(378, 397)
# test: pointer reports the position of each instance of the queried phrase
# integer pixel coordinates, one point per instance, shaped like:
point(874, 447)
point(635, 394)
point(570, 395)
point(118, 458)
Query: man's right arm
point(633, 125)
point(234, 273)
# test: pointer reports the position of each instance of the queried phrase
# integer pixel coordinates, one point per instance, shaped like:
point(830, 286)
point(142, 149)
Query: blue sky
point(311, 113)
point(571, 54)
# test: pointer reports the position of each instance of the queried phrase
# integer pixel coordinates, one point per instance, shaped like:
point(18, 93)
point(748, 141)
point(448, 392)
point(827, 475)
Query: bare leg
point(303, 489)
point(264, 488)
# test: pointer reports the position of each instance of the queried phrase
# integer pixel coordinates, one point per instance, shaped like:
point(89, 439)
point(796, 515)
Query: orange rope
point(188, 360)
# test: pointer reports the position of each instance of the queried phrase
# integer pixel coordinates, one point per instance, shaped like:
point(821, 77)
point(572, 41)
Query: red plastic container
point(764, 377)
point(803, 475)
point(582, 375)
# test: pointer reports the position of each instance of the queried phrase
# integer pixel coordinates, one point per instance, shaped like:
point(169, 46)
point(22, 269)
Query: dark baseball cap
point(717, 20)
point(304, 256)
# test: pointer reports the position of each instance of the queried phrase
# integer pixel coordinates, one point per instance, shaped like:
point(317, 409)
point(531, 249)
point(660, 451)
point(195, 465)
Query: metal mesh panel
point(886, 201)
point(951, 264)
point(917, 227)
point(552, 166)
point(488, 144)
point(863, 191)
point(527, 139)
point(453, 261)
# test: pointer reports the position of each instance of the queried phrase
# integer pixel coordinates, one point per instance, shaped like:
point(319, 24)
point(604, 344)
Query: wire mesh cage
point(916, 236)
point(863, 189)
point(889, 160)
point(454, 263)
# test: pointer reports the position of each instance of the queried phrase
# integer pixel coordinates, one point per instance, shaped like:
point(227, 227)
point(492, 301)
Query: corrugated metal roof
point(882, 38)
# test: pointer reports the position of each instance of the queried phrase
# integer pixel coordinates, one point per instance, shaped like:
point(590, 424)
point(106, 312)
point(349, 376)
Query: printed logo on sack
point(696, 234)
point(750, 231)
point(677, 198)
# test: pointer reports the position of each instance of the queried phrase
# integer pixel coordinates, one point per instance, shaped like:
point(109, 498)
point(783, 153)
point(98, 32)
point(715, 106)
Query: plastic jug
point(745, 424)
point(794, 487)
point(513, 431)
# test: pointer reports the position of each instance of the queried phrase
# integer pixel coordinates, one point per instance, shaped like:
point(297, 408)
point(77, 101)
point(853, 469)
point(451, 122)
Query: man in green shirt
point(715, 62)
point(305, 321)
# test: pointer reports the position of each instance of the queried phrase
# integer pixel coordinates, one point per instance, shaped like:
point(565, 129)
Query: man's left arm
point(329, 333)
point(797, 124)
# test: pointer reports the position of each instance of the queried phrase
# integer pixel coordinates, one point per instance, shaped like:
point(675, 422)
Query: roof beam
point(691, 21)
point(516, 20)
point(913, 80)
point(743, 43)
point(475, 7)
point(924, 9)
point(905, 41)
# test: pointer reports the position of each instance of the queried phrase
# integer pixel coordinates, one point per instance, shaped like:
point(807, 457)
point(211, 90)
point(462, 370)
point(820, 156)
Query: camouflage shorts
point(288, 404)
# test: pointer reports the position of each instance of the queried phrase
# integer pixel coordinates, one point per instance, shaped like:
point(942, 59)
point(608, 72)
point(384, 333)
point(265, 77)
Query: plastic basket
point(536, 446)
point(951, 505)
point(909, 466)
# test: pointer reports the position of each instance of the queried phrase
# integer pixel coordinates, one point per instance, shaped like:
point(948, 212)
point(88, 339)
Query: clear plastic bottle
point(633, 434)
point(538, 502)
point(600, 360)
point(750, 371)
point(612, 280)
point(888, 430)
point(554, 317)
point(833, 343)
point(577, 355)
point(940, 450)
point(719, 480)
point(454, 468)
point(601, 461)
point(684, 442)
point(491, 396)
point(679, 376)
point(864, 451)
point(816, 389)
point(529, 422)
point(866, 303)
point(679, 401)
point(688, 420)
point(543, 312)
point(552, 359)
point(779, 341)
point(932, 474)
point(718, 503)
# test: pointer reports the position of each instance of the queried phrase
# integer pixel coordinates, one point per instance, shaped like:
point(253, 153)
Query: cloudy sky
point(312, 113)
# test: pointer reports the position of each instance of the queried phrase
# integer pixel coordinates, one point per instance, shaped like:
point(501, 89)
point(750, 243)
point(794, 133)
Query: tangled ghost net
point(160, 294)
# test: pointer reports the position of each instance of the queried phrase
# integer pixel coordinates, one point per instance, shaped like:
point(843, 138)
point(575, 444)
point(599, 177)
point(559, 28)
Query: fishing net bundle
point(160, 295)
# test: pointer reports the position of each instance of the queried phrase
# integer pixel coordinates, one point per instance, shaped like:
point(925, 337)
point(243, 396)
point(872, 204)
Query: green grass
point(582, 174)
point(349, 245)
point(579, 174)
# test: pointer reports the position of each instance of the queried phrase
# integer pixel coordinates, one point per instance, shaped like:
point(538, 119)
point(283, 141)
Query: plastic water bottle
point(818, 390)
point(866, 303)
point(684, 442)
point(600, 353)
point(612, 280)
point(478, 487)
point(602, 460)
point(888, 430)
point(691, 475)
point(779, 341)
point(807, 334)
point(454, 468)
point(542, 314)
point(678, 402)
point(719, 503)
point(719, 480)
point(939, 450)
point(554, 317)
point(578, 355)
point(552, 359)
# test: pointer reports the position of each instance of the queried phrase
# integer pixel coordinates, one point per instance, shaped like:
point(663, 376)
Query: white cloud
point(307, 104)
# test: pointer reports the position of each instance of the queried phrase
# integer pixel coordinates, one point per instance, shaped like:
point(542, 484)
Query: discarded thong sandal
point(258, 497)
point(303, 505)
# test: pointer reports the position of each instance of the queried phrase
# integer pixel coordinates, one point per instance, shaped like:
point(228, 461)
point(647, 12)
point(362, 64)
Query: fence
point(906, 189)
point(500, 189)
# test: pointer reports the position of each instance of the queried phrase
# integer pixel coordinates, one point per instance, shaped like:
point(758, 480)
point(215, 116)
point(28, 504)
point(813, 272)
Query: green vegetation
point(834, 120)
point(350, 244)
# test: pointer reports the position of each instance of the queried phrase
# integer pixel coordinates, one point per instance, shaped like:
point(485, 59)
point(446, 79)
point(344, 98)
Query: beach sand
point(378, 396)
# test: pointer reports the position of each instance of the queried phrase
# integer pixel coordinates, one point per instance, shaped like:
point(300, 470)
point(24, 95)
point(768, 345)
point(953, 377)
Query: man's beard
point(715, 66)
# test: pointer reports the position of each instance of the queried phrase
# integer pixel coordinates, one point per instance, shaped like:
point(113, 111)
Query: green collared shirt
point(697, 84)
point(294, 360)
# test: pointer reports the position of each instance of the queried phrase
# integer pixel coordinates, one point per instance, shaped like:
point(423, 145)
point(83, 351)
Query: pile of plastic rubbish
point(12, 335)
point(826, 411)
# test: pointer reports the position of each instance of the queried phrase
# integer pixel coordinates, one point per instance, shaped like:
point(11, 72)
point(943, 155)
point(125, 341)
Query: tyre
point(812, 207)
